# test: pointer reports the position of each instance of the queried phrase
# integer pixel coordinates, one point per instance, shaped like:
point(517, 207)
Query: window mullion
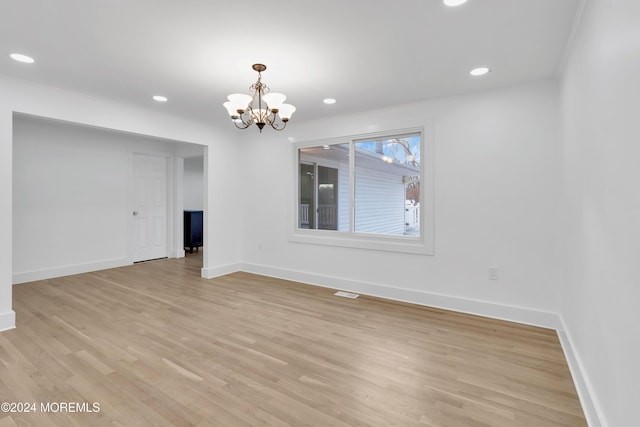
point(392, 184)
point(352, 187)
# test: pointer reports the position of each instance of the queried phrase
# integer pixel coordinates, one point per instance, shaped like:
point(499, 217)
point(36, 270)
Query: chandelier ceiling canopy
point(262, 107)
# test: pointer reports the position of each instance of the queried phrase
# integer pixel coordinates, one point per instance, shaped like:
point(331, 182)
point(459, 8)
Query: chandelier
point(262, 108)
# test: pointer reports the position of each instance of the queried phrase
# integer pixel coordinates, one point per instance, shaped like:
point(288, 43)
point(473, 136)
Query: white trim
point(423, 245)
point(221, 270)
point(178, 253)
point(7, 320)
point(510, 313)
point(178, 209)
point(592, 409)
point(408, 245)
point(590, 405)
point(68, 270)
point(352, 183)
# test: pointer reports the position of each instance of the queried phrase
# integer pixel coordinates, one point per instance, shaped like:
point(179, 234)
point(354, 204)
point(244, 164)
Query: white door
point(149, 207)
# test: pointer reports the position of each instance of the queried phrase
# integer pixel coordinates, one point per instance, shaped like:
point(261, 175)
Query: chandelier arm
point(276, 126)
point(271, 117)
point(246, 125)
point(248, 117)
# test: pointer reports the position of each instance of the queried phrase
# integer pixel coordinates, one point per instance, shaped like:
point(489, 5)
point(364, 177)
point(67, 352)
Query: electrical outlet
point(493, 273)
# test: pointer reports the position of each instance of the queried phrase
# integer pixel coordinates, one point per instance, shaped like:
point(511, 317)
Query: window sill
point(384, 243)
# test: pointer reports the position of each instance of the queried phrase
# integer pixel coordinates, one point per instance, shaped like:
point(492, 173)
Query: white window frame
point(423, 245)
point(317, 162)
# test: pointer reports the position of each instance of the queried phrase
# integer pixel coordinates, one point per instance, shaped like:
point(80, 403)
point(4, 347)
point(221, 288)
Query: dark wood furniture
point(192, 230)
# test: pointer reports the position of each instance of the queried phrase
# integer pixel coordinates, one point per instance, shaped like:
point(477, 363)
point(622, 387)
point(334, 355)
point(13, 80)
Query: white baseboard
point(211, 272)
point(482, 308)
point(68, 270)
point(545, 319)
point(178, 253)
point(7, 320)
point(590, 406)
point(588, 400)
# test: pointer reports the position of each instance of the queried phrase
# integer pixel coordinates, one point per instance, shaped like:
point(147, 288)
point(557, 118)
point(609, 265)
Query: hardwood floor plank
point(155, 344)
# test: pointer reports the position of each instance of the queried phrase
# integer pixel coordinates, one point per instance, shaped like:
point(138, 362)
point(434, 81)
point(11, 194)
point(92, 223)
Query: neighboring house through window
point(365, 191)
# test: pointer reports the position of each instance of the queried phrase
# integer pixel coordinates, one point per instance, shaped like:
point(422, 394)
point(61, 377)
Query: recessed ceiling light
point(22, 58)
point(480, 71)
point(329, 101)
point(160, 98)
point(454, 3)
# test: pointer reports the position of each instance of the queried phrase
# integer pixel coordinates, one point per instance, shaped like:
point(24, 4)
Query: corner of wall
point(590, 406)
point(7, 320)
point(577, 23)
point(178, 253)
point(221, 270)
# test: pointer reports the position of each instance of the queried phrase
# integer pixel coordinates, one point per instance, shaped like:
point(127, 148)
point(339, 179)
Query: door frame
point(172, 196)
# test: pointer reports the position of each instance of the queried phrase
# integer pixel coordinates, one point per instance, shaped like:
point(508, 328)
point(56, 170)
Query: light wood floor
point(154, 344)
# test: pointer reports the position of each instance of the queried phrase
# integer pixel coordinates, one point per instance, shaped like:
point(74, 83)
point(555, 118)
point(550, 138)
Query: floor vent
point(346, 295)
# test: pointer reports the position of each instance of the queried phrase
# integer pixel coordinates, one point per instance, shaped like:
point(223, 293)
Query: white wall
point(18, 96)
point(7, 315)
point(193, 183)
point(71, 198)
point(601, 161)
point(496, 204)
point(222, 221)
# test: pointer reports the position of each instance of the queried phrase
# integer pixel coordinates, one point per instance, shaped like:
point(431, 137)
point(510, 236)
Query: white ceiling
point(364, 53)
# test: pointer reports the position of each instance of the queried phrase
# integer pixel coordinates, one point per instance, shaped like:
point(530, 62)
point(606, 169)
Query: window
point(365, 191)
point(386, 171)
